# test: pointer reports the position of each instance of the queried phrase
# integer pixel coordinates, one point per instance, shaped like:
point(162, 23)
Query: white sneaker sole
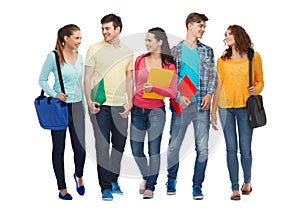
point(198, 197)
point(107, 199)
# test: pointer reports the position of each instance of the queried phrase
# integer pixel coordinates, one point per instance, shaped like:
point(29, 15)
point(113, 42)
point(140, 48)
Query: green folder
point(98, 93)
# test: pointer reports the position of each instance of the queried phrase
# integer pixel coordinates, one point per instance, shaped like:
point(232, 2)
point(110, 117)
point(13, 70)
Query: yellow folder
point(159, 77)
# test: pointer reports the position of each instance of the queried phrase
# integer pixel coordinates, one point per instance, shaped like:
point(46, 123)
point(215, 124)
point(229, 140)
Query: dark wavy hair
point(242, 40)
point(160, 34)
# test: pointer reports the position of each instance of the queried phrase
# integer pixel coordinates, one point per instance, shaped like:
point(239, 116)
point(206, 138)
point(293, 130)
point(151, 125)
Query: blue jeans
point(151, 121)
point(230, 117)
point(77, 134)
point(179, 125)
point(109, 128)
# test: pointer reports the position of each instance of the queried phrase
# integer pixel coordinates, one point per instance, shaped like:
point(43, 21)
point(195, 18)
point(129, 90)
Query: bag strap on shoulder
point(250, 57)
point(59, 74)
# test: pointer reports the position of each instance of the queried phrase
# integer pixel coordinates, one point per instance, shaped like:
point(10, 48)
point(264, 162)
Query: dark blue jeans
point(109, 128)
point(77, 134)
point(151, 121)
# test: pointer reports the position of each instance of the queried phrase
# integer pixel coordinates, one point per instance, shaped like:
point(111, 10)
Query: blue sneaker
point(116, 188)
point(107, 195)
point(197, 193)
point(171, 187)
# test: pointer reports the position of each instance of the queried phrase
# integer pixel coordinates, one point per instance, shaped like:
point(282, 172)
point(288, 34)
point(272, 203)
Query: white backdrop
point(28, 34)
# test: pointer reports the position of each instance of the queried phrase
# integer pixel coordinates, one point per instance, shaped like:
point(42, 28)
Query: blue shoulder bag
point(52, 113)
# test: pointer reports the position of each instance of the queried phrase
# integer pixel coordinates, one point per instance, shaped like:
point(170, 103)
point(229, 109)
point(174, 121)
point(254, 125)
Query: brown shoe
point(246, 192)
point(235, 197)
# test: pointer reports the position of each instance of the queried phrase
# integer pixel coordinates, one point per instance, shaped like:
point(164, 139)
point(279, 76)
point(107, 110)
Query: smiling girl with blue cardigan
point(68, 40)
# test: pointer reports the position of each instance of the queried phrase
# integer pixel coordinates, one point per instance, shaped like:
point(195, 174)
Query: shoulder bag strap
point(250, 57)
point(59, 72)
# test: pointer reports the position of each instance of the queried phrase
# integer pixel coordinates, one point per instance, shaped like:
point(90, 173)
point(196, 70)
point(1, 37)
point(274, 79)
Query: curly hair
point(242, 41)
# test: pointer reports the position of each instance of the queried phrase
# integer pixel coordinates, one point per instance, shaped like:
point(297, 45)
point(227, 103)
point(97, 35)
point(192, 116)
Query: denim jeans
point(77, 134)
point(179, 125)
point(230, 117)
point(152, 122)
point(109, 128)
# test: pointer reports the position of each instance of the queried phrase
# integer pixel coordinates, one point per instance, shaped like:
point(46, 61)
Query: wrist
point(177, 97)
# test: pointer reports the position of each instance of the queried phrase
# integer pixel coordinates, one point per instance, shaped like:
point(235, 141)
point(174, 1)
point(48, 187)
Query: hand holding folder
point(159, 77)
point(187, 89)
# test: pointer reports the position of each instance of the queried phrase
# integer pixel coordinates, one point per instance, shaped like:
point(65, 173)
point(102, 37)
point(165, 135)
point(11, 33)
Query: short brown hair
point(117, 22)
point(195, 17)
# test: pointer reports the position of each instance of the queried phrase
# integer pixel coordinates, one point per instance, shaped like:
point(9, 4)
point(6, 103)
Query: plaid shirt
point(207, 79)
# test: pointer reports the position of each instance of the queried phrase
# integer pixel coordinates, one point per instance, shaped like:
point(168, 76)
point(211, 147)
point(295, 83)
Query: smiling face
point(197, 29)
point(109, 32)
point(152, 44)
point(229, 38)
point(74, 40)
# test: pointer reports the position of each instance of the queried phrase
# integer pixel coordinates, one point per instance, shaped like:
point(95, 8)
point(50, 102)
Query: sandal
point(142, 188)
point(235, 197)
point(148, 194)
point(244, 192)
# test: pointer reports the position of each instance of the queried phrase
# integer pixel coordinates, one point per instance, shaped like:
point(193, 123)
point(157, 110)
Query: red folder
point(187, 89)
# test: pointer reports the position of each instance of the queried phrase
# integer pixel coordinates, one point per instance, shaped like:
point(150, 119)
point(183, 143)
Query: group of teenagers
point(222, 88)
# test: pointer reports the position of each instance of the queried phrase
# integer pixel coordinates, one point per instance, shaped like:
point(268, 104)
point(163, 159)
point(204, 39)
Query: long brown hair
point(242, 41)
point(66, 30)
point(160, 34)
